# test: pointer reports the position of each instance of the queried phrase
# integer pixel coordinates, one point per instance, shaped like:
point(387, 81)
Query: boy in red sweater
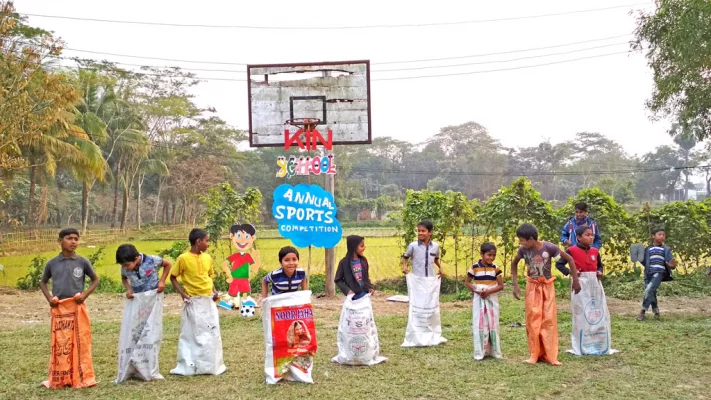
point(591, 319)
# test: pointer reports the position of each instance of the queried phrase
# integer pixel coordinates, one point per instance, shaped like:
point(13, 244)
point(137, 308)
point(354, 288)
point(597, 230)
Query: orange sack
point(70, 364)
point(542, 321)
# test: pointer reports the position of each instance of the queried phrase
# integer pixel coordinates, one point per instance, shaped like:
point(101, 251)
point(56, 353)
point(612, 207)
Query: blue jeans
point(651, 284)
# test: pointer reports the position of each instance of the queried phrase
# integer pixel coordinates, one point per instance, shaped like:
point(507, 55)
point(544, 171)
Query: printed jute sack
point(140, 337)
point(289, 337)
point(71, 364)
point(200, 342)
point(424, 326)
point(357, 341)
point(591, 334)
point(485, 325)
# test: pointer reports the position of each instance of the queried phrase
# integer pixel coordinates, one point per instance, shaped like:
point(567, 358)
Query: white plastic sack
point(140, 337)
point(424, 325)
point(591, 332)
point(485, 325)
point(357, 341)
point(200, 342)
point(289, 337)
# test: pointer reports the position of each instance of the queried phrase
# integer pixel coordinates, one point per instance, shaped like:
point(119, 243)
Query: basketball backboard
point(335, 93)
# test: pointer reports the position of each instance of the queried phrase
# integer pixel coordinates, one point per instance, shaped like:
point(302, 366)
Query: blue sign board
point(306, 215)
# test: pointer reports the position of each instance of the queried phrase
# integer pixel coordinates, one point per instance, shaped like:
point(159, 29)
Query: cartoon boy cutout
point(238, 264)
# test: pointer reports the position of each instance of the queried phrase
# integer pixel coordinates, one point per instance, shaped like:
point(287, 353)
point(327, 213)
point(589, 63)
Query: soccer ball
point(247, 311)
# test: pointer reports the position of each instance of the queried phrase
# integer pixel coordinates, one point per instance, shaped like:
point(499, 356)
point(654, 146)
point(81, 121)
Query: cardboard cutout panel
point(237, 267)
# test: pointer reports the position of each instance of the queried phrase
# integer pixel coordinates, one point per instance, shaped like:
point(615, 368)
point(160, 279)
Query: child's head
point(424, 230)
point(658, 235)
point(199, 239)
point(289, 259)
point(355, 245)
point(128, 257)
point(488, 253)
point(527, 235)
point(243, 236)
point(68, 239)
point(581, 211)
point(585, 235)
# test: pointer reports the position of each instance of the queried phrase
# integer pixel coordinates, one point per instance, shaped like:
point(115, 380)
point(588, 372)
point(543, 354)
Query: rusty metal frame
point(310, 64)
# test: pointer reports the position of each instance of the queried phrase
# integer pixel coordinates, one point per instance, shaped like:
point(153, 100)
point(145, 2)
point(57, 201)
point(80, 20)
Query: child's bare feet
point(531, 361)
point(557, 364)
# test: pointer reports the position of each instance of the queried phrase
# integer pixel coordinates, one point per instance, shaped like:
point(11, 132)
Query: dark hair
point(287, 250)
point(487, 247)
point(352, 243)
point(657, 230)
point(67, 232)
point(427, 224)
point(247, 228)
point(196, 234)
point(579, 231)
point(527, 231)
point(581, 206)
point(126, 253)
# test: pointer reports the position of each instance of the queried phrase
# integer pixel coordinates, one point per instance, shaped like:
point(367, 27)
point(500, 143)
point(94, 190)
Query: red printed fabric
point(290, 337)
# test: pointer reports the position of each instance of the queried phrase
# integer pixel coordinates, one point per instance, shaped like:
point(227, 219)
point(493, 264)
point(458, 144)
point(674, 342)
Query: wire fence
point(37, 240)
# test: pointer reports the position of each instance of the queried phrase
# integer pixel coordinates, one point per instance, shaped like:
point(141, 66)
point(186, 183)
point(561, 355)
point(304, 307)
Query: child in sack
point(541, 312)
point(484, 280)
point(200, 317)
point(352, 274)
point(591, 333)
point(357, 341)
point(71, 364)
point(288, 278)
point(139, 274)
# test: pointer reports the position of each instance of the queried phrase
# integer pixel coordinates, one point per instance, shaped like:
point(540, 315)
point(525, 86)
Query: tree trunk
point(33, 182)
point(686, 183)
point(183, 210)
point(117, 178)
point(124, 210)
point(44, 191)
point(84, 207)
point(138, 201)
point(175, 203)
point(155, 213)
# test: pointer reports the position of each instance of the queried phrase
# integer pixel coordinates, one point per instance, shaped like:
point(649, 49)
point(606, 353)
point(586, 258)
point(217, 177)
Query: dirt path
point(19, 309)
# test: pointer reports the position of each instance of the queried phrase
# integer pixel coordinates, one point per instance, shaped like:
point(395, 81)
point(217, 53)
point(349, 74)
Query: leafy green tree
point(226, 207)
point(511, 206)
point(676, 39)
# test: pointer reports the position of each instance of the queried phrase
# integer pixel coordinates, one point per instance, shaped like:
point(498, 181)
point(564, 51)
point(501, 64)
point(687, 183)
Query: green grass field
point(666, 359)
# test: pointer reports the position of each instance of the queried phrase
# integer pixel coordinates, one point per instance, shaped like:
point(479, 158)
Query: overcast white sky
point(519, 107)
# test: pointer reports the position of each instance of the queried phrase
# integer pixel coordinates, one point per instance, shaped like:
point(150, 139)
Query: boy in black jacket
point(352, 272)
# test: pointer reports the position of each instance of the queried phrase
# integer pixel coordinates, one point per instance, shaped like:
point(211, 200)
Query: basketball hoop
point(305, 123)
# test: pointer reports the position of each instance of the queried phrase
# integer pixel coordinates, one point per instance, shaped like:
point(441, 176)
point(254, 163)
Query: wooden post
point(330, 254)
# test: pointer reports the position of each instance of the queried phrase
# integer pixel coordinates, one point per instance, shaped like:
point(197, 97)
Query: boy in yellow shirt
point(200, 317)
point(195, 268)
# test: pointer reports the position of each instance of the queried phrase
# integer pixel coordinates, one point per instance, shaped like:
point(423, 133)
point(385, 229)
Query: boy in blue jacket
point(581, 218)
